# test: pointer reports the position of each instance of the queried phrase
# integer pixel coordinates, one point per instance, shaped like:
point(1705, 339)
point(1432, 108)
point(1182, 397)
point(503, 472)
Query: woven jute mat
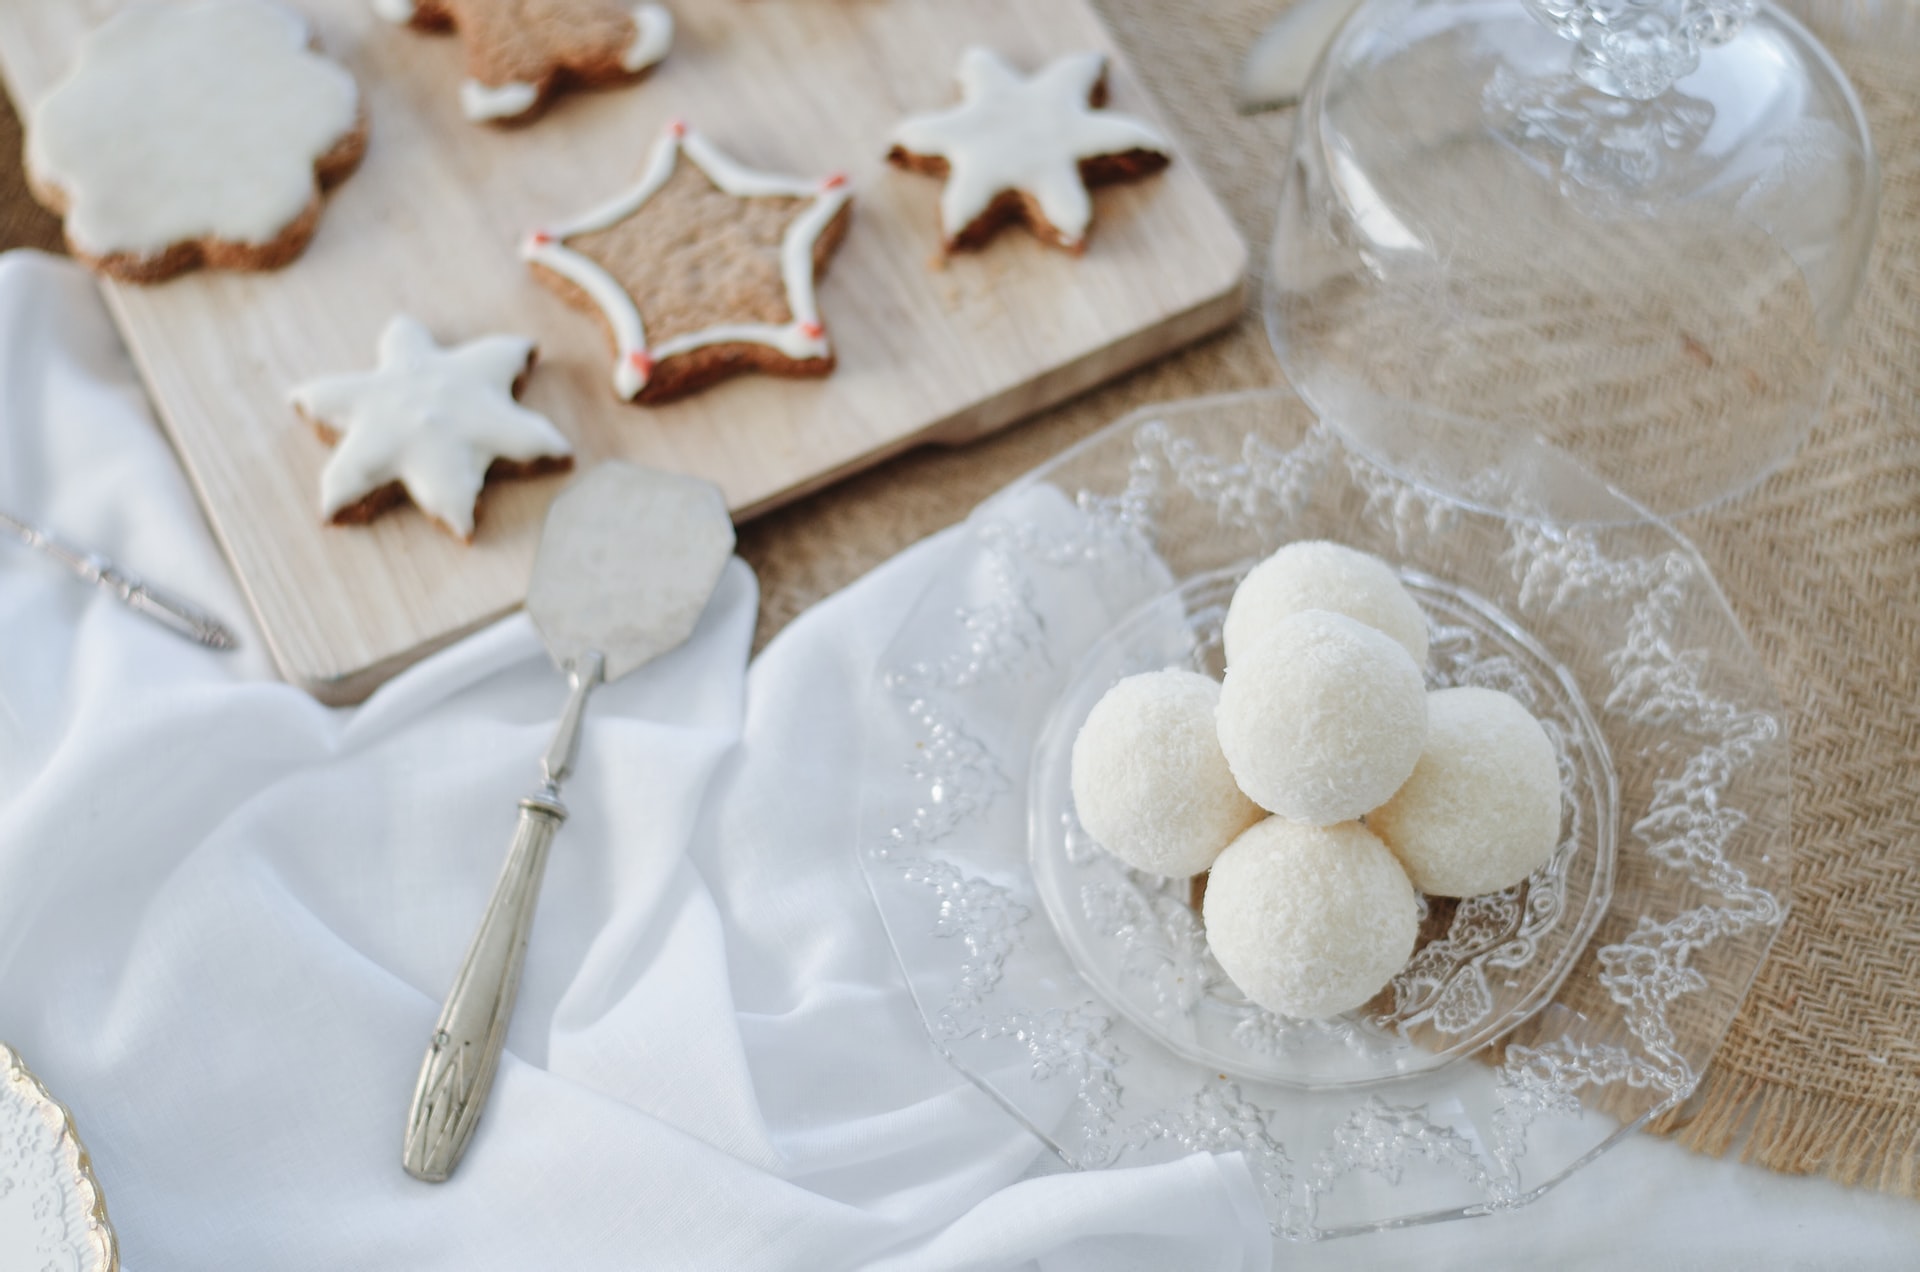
point(1821, 1071)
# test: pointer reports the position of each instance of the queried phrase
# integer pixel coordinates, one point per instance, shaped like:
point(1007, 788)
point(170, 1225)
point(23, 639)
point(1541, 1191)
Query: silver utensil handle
point(458, 1071)
point(169, 611)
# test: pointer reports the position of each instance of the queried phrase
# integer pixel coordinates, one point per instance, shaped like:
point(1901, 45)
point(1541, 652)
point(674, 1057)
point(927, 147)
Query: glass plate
point(1589, 1003)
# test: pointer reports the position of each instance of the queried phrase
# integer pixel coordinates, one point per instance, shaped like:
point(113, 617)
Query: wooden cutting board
point(430, 225)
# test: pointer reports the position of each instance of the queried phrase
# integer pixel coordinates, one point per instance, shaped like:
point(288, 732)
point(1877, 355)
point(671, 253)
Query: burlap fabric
point(1821, 1072)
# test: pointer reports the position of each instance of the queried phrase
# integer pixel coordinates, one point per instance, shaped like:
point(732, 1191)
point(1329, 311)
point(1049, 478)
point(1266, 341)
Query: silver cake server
point(169, 611)
point(626, 564)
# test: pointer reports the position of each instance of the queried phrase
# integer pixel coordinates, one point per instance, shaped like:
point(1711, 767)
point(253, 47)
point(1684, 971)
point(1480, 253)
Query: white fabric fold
point(228, 915)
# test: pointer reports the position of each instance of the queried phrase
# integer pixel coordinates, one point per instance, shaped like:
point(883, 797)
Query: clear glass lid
point(1633, 230)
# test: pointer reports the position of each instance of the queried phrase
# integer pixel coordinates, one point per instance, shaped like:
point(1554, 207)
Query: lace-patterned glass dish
point(1619, 613)
point(1482, 966)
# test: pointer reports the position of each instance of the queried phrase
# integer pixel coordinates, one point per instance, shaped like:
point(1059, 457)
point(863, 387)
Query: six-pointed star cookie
point(521, 52)
point(1026, 149)
point(429, 423)
point(721, 259)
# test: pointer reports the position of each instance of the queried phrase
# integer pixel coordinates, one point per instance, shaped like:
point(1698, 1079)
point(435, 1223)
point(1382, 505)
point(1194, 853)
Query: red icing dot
point(540, 238)
point(834, 182)
point(677, 126)
point(812, 330)
point(642, 361)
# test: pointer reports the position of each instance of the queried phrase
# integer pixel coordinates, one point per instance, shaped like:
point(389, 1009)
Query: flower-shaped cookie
point(199, 134)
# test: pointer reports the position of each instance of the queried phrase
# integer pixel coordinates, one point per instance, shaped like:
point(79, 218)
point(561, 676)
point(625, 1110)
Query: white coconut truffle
point(1310, 920)
point(1149, 781)
point(1323, 719)
point(1482, 809)
point(1314, 574)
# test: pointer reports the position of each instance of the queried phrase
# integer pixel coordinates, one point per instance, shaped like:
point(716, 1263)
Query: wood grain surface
point(430, 223)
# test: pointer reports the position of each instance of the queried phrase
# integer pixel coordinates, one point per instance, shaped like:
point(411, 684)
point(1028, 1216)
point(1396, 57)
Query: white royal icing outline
point(652, 37)
point(652, 41)
point(457, 399)
point(803, 336)
point(480, 102)
point(1028, 133)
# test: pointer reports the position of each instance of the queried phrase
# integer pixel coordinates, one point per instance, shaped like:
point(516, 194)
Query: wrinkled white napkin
point(228, 916)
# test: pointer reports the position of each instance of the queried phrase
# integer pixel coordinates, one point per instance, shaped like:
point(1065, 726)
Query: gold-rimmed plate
point(52, 1212)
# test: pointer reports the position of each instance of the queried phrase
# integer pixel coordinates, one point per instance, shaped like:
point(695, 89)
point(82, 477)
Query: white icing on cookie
point(183, 123)
point(652, 40)
point(801, 336)
point(398, 12)
point(480, 102)
point(652, 37)
point(1023, 133)
point(432, 419)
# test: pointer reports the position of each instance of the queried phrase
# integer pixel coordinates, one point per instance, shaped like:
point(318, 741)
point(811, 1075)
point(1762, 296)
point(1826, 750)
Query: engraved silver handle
point(457, 1073)
point(169, 611)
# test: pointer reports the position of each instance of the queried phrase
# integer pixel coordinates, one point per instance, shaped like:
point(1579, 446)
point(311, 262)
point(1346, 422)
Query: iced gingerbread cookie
point(521, 52)
point(429, 424)
point(1026, 148)
point(701, 270)
point(197, 134)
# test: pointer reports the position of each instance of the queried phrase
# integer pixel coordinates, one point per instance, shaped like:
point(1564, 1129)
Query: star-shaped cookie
point(429, 424)
point(719, 258)
point(521, 52)
point(1026, 148)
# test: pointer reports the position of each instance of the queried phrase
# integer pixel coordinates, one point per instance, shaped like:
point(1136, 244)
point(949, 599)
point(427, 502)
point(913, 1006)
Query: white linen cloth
point(228, 916)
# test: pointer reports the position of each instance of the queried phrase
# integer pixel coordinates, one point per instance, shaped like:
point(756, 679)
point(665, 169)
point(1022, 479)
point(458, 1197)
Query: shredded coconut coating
point(1310, 921)
point(1323, 719)
point(1149, 781)
point(1315, 574)
point(1482, 809)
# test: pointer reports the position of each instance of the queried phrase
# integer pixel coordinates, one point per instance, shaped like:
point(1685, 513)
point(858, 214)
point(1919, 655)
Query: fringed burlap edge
point(1799, 1132)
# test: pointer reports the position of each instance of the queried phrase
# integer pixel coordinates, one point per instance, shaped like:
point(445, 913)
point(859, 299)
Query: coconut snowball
point(1310, 920)
point(1482, 809)
point(1149, 781)
point(1323, 719)
point(1315, 574)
